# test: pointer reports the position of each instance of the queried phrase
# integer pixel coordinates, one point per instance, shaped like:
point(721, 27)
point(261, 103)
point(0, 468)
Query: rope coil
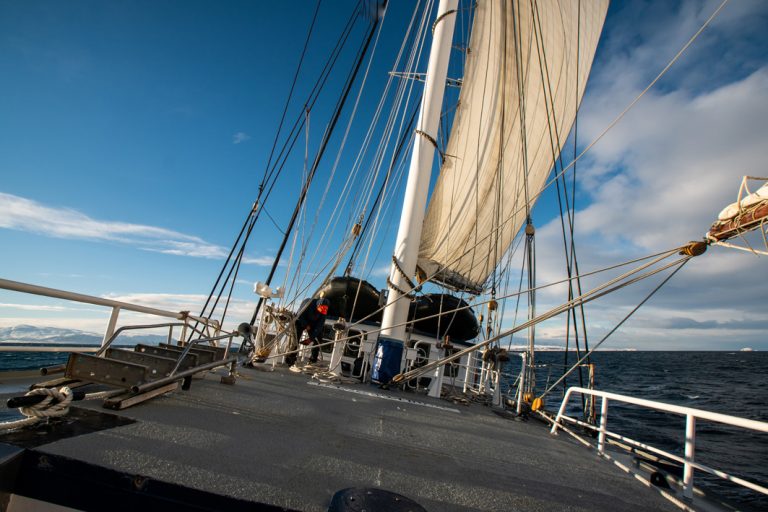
point(56, 403)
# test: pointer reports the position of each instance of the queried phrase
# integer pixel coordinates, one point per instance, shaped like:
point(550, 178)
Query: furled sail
point(524, 77)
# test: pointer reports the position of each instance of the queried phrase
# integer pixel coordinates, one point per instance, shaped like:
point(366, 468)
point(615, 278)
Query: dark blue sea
point(734, 383)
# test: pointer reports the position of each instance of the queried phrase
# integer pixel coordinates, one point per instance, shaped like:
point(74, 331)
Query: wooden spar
point(748, 220)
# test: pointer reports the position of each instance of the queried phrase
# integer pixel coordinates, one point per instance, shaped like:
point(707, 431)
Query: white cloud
point(169, 301)
point(90, 325)
point(27, 215)
point(240, 137)
point(238, 309)
point(35, 307)
point(261, 261)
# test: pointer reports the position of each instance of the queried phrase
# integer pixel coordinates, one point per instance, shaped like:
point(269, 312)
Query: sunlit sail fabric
point(523, 59)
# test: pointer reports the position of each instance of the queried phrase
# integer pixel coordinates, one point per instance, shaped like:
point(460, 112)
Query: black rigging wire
point(326, 137)
point(555, 147)
point(270, 173)
point(403, 140)
point(290, 92)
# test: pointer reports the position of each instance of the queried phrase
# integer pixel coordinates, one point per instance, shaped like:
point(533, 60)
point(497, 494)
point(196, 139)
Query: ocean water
point(734, 383)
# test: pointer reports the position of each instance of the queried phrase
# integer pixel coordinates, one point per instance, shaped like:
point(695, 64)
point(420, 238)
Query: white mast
point(414, 204)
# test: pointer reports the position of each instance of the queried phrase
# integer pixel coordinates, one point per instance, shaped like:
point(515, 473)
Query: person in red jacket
point(311, 319)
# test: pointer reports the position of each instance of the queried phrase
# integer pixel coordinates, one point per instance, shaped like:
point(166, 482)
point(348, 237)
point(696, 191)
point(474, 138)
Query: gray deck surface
point(275, 438)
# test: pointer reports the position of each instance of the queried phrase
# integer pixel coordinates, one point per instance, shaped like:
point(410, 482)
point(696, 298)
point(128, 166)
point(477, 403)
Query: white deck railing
point(691, 416)
point(116, 306)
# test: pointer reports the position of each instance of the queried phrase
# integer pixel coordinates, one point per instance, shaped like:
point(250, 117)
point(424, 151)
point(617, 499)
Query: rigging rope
point(586, 356)
point(557, 158)
point(603, 133)
point(323, 145)
point(600, 291)
point(270, 174)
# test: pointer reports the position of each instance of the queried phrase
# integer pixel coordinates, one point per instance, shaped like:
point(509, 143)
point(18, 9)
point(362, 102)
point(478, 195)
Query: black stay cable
point(224, 267)
point(316, 163)
point(570, 255)
point(405, 138)
point(296, 129)
point(290, 93)
point(253, 214)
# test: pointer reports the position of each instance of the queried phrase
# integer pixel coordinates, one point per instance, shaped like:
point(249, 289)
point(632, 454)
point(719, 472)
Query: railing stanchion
point(690, 444)
point(468, 371)
point(111, 325)
point(521, 386)
point(603, 426)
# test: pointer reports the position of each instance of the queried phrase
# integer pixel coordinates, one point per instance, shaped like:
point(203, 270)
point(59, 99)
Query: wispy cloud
point(236, 310)
point(35, 307)
point(24, 214)
point(27, 215)
point(240, 137)
point(261, 261)
point(168, 301)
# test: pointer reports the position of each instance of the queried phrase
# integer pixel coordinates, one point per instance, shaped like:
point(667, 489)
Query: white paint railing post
point(111, 325)
point(603, 426)
point(497, 388)
point(521, 386)
point(690, 447)
point(469, 370)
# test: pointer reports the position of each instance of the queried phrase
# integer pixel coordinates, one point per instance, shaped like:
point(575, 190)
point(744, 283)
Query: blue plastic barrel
point(386, 361)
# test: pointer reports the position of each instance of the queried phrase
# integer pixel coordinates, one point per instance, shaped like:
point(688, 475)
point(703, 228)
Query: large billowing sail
point(528, 61)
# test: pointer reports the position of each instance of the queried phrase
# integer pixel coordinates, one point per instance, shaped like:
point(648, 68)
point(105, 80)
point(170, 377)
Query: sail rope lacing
point(432, 141)
point(404, 276)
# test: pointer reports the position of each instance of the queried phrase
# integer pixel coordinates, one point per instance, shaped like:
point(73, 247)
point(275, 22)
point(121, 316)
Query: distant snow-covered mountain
point(32, 334)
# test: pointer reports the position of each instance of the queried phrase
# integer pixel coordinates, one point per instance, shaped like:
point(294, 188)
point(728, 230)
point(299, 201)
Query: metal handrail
point(117, 306)
point(690, 413)
point(90, 299)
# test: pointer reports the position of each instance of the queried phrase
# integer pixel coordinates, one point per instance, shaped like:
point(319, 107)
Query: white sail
point(529, 58)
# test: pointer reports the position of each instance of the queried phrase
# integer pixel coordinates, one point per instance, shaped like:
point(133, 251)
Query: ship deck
point(283, 439)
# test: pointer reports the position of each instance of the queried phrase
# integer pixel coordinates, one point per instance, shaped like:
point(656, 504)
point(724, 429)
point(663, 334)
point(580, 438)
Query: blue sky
point(133, 136)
